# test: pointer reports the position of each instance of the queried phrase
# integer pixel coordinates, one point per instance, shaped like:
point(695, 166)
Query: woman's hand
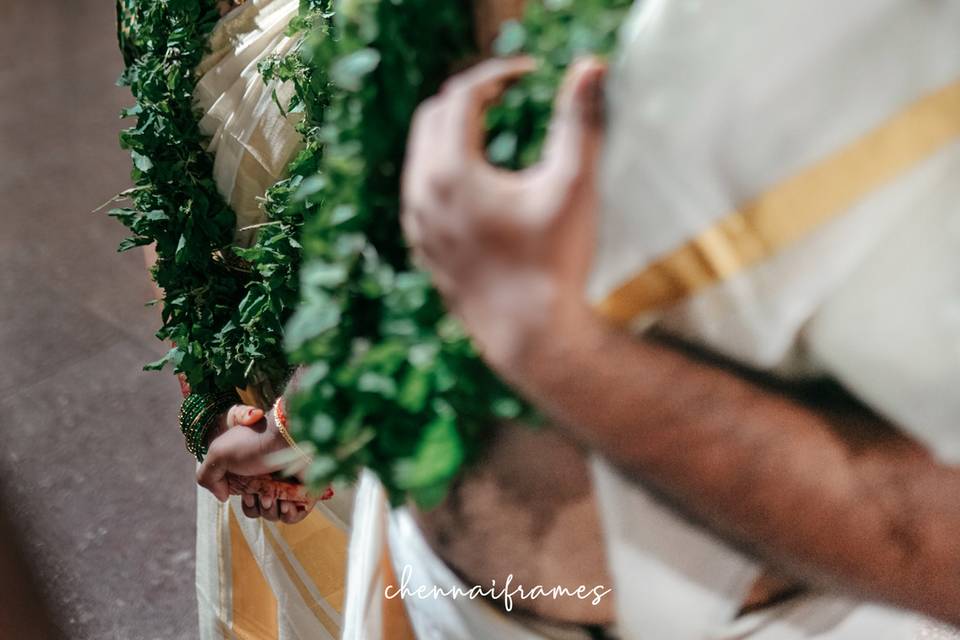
point(508, 250)
point(226, 6)
point(246, 452)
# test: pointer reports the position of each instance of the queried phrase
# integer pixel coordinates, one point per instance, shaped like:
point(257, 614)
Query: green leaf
point(437, 458)
point(322, 428)
point(507, 408)
point(141, 162)
point(173, 356)
point(429, 497)
point(511, 39)
point(156, 215)
point(310, 186)
point(349, 71)
point(502, 148)
point(130, 243)
point(415, 391)
point(323, 274)
point(309, 323)
point(377, 384)
point(321, 470)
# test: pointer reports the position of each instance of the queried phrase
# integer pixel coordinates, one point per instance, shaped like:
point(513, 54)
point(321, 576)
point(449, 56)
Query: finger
point(423, 128)
point(468, 96)
point(249, 505)
point(240, 414)
point(288, 511)
point(411, 228)
point(411, 224)
point(269, 509)
point(249, 416)
point(576, 127)
point(211, 475)
point(301, 510)
point(420, 147)
point(297, 514)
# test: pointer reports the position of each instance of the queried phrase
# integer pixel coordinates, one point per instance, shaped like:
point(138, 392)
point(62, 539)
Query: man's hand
point(245, 452)
point(506, 249)
point(510, 252)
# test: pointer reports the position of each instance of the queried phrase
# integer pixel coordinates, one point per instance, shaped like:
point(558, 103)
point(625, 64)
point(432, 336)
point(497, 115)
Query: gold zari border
point(792, 209)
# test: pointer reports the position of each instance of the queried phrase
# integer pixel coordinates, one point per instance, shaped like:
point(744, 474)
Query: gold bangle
point(280, 417)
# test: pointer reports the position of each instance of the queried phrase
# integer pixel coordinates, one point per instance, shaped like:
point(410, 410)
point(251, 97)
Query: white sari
point(258, 580)
point(781, 185)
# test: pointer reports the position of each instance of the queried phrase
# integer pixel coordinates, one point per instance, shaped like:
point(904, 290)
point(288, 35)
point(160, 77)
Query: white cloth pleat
point(362, 609)
point(252, 140)
point(213, 557)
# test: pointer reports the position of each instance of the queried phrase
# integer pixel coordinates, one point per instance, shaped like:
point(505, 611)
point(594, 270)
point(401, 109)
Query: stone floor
point(92, 468)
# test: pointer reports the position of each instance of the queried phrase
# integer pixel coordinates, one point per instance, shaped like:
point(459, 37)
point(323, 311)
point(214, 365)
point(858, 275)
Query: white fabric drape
point(733, 126)
point(251, 139)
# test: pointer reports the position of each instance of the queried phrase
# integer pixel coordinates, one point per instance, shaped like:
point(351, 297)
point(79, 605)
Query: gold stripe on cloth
point(320, 547)
point(254, 604)
point(331, 626)
point(792, 209)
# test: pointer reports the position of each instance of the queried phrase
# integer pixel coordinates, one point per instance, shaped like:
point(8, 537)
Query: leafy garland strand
point(226, 323)
point(393, 384)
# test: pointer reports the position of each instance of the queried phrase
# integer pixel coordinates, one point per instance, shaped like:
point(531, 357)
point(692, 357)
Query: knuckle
point(422, 115)
point(427, 108)
point(468, 89)
point(228, 457)
point(443, 181)
point(455, 84)
point(213, 455)
point(412, 199)
point(566, 176)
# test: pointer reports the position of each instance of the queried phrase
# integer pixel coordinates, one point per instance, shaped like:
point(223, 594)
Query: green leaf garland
point(393, 383)
point(223, 307)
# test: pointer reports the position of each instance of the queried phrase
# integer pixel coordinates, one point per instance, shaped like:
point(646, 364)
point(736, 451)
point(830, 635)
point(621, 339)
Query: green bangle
point(198, 413)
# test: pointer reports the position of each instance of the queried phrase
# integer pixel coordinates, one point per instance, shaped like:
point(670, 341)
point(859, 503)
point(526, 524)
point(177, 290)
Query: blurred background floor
point(92, 467)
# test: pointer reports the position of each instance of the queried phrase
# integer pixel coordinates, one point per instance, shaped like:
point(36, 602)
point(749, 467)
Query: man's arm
point(875, 516)
point(510, 252)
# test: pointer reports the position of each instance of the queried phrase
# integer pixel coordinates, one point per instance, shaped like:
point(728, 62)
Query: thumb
point(577, 125)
